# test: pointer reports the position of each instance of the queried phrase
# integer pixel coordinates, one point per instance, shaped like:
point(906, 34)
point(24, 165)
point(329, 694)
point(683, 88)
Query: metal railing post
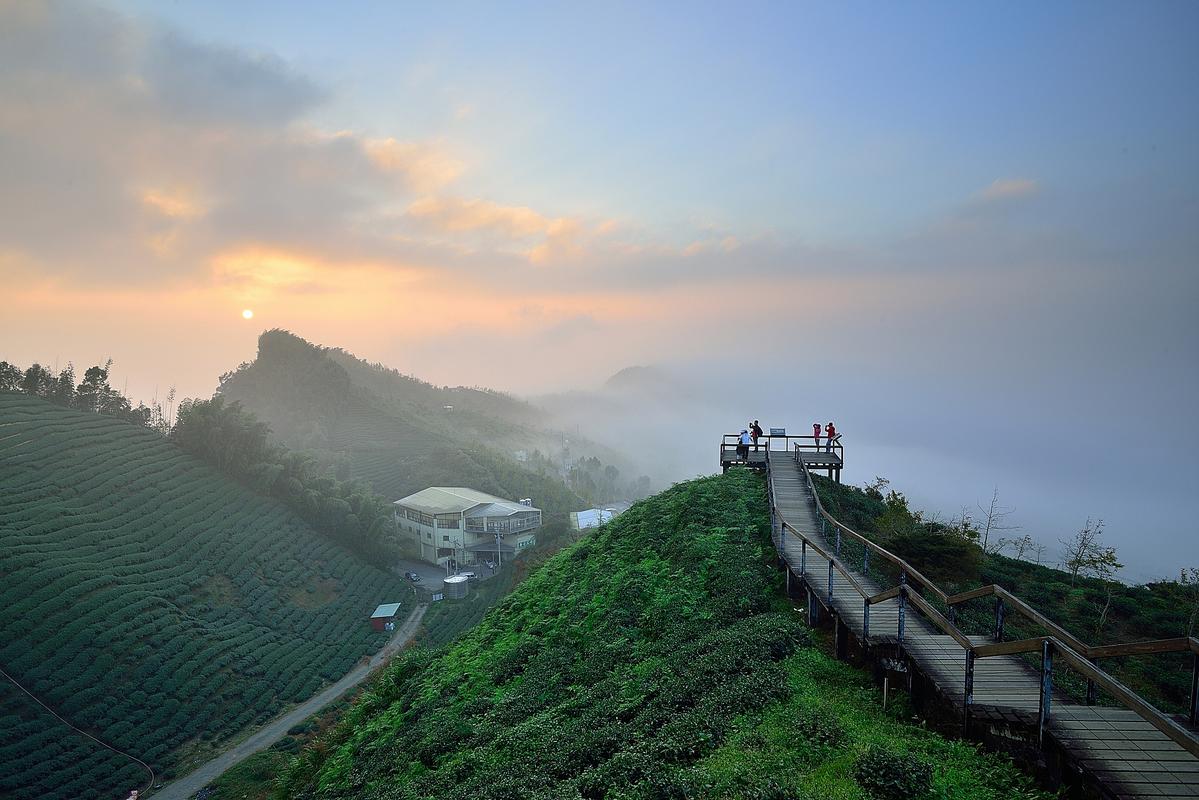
point(830, 585)
point(803, 559)
point(903, 601)
point(1000, 611)
point(866, 620)
point(1092, 692)
point(866, 561)
point(1045, 706)
point(1193, 717)
point(838, 542)
point(968, 699)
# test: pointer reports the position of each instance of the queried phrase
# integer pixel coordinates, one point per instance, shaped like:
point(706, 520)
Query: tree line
point(93, 393)
point(236, 443)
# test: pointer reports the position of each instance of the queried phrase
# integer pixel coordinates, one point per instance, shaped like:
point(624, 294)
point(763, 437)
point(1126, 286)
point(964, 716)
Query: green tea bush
point(893, 776)
point(150, 600)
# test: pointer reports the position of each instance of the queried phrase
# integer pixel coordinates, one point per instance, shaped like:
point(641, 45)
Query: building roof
point(457, 499)
point(591, 517)
point(386, 611)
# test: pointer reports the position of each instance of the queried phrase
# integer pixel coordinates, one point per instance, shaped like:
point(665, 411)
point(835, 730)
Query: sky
point(968, 232)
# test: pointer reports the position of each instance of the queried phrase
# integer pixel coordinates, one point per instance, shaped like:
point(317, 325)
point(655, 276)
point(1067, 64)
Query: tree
point(1021, 546)
point(1189, 581)
point(10, 377)
point(37, 381)
point(994, 522)
point(1084, 554)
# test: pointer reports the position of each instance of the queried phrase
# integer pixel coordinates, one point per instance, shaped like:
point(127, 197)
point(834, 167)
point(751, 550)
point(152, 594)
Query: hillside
point(394, 431)
point(1161, 610)
point(152, 602)
point(656, 658)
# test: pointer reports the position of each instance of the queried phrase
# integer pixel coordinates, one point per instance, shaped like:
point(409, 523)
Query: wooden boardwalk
point(1119, 748)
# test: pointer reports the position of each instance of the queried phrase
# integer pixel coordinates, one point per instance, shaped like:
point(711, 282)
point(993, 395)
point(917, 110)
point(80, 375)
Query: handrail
point(983, 591)
point(1074, 651)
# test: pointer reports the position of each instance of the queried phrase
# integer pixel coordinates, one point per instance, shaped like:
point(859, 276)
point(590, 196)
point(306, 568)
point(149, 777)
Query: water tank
point(456, 587)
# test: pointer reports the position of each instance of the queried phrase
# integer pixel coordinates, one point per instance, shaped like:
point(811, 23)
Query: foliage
point(92, 394)
point(893, 776)
point(654, 658)
point(1083, 554)
point(235, 442)
point(153, 602)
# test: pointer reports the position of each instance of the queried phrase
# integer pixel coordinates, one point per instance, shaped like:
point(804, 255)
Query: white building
point(465, 525)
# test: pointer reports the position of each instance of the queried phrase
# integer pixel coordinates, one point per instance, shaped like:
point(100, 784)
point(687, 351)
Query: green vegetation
point(1096, 610)
point(153, 602)
point(401, 434)
point(91, 394)
point(236, 443)
point(448, 619)
point(655, 658)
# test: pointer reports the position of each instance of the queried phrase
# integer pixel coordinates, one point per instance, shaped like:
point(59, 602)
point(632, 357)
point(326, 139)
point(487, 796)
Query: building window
point(447, 521)
point(445, 538)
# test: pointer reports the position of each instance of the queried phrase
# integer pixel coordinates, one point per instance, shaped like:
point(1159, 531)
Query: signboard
point(438, 596)
point(778, 431)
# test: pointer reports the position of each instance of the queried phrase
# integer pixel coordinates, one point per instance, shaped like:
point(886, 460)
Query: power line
point(144, 765)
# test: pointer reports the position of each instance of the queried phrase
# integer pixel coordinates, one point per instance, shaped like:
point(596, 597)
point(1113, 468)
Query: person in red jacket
point(830, 433)
point(816, 434)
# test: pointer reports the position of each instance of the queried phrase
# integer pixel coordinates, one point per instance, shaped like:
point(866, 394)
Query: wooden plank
point(1127, 751)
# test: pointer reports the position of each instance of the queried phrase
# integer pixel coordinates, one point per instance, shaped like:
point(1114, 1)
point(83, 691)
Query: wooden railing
point(1058, 641)
point(788, 443)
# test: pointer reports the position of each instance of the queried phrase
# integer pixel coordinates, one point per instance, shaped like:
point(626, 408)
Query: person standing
point(755, 431)
point(743, 445)
point(830, 433)
point(816, 435)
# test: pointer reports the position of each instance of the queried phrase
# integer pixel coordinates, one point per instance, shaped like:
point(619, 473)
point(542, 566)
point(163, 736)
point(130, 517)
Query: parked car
point(412, 576)
point(470, 576)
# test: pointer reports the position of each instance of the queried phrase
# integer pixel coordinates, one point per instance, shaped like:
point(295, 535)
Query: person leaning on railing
point(830, 433)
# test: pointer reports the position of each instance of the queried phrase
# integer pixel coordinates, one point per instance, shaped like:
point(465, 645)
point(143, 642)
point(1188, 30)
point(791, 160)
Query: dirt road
point(276, 729)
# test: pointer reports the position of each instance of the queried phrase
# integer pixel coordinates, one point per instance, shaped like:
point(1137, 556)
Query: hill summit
point(656, 658)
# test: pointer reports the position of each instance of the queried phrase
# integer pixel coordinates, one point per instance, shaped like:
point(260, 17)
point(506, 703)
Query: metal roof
point(457, 499)
point(387, 610)
point(591, 517)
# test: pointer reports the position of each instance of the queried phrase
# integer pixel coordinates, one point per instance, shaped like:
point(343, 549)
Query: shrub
point(893, 776)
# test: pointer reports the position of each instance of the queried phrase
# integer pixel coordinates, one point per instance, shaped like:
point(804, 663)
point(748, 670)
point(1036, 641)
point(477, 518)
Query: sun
point(247, 314)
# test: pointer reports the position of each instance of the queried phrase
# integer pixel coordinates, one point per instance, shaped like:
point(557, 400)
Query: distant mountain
point(402, 434)
point(152, 601)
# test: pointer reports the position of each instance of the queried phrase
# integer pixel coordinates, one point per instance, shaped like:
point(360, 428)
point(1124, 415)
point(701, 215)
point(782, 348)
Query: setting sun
point(247, 314)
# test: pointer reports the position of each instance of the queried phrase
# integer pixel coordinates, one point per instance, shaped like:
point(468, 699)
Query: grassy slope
point(1153, 611)
point(152, 601)
point(655, 658)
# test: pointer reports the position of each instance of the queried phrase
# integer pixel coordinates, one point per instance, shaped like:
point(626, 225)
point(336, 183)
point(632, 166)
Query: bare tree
point(994, 518)
point(1020, 545)
point(1084, 554)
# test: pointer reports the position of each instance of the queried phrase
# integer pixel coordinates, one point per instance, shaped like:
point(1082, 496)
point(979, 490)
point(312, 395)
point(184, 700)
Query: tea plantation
point(152, 602)
point(656, 658)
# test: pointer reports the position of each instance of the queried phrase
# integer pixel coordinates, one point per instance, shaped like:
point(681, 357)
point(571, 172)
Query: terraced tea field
point(152, 602)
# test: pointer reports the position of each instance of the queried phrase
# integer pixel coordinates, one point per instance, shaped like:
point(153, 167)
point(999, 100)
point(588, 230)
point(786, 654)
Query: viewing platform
point(820, 457)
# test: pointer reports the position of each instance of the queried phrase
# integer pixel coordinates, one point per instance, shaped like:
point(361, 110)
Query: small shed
point(383, 615)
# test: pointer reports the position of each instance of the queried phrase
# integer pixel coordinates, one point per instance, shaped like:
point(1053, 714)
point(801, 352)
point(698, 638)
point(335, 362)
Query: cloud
point(427, 168)
point(455, 215)
point(1010, 188)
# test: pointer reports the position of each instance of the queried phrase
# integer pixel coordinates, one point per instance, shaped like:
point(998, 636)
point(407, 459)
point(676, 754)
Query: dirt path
point(275, 730)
